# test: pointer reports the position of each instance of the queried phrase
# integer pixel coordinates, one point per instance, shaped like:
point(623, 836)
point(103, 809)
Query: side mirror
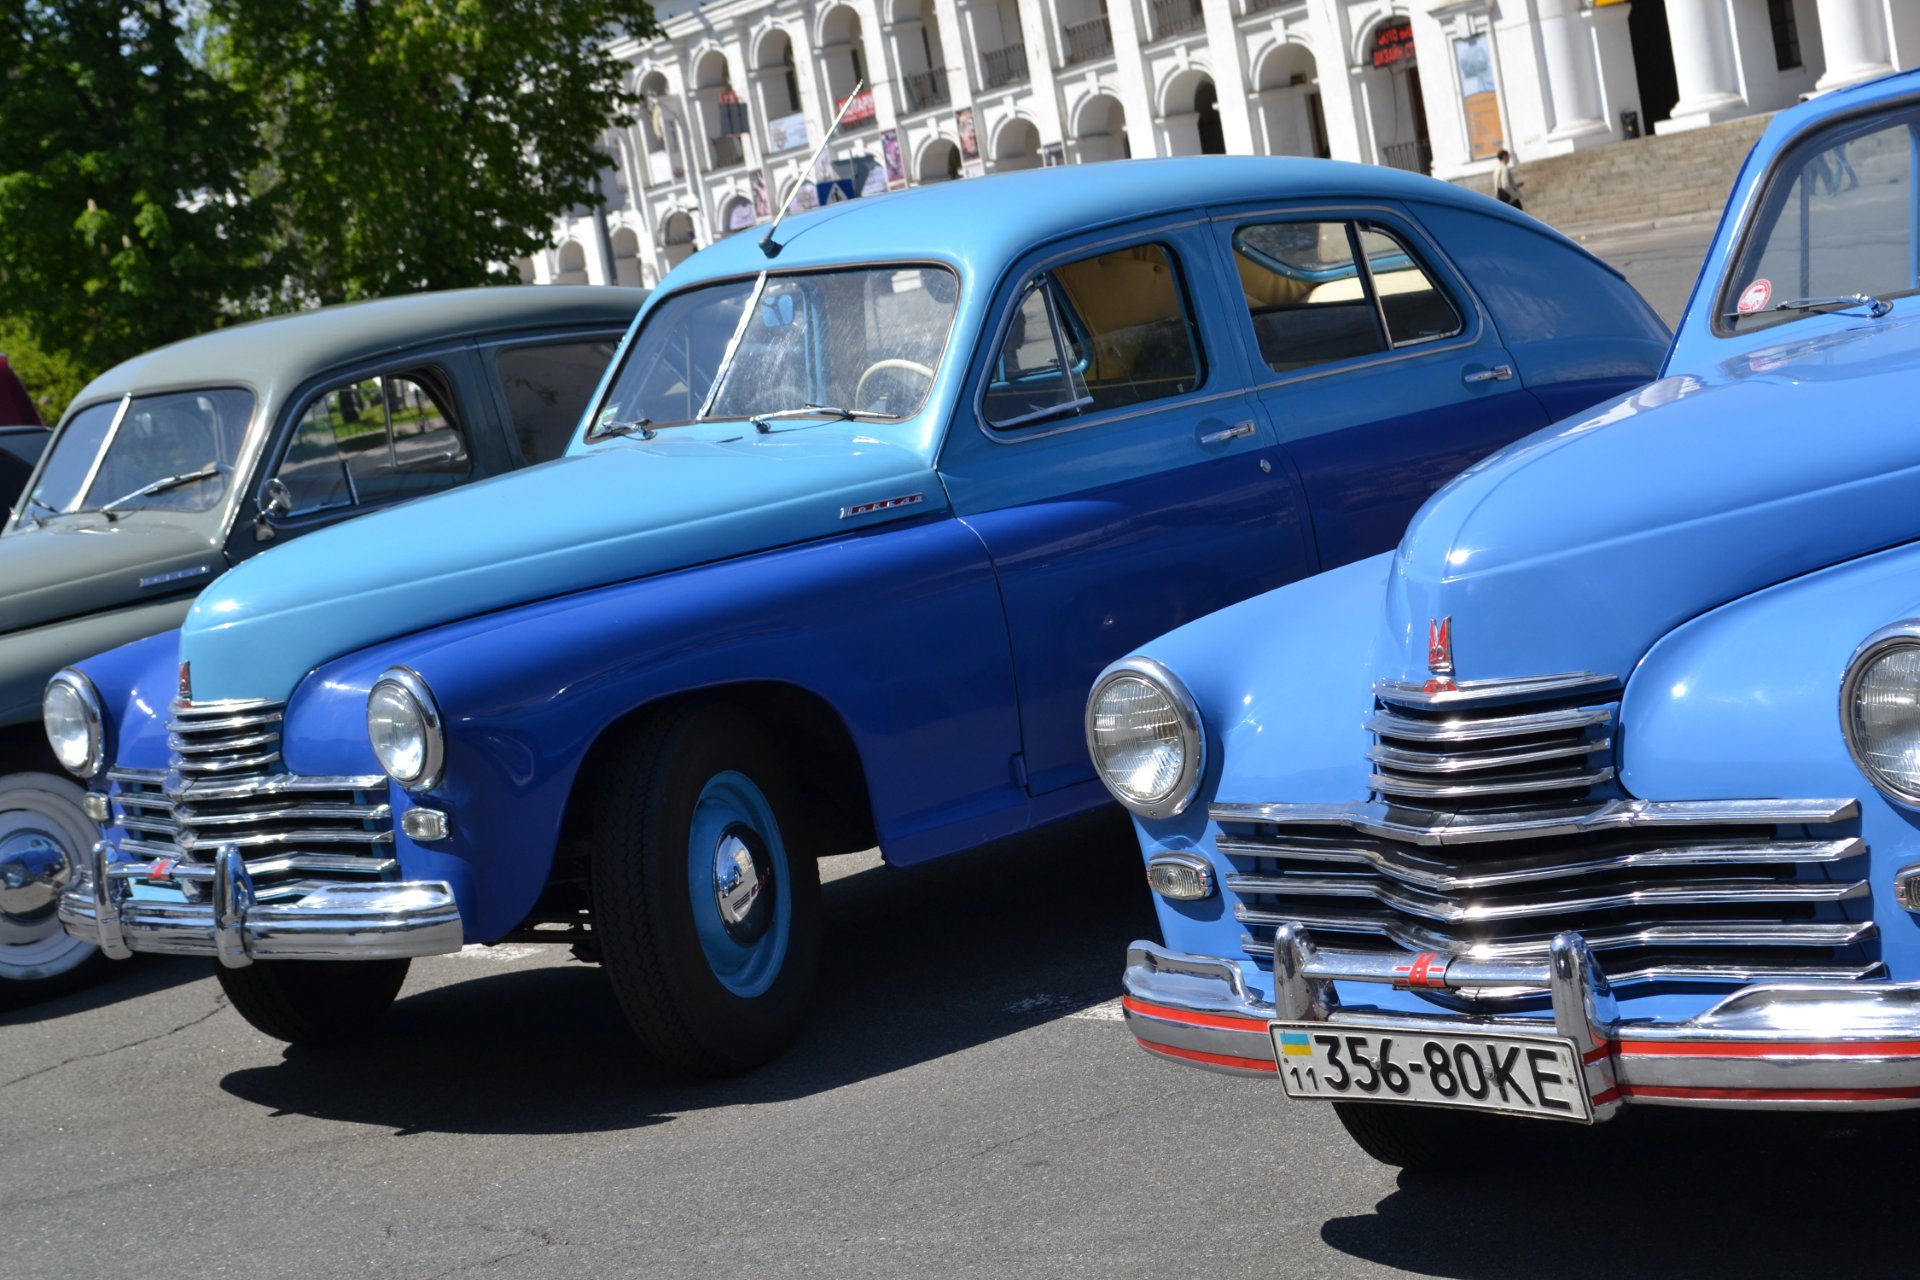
point(278, 504)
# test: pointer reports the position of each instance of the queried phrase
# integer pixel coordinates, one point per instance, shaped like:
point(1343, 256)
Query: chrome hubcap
point(34, 869)
point(743, 884)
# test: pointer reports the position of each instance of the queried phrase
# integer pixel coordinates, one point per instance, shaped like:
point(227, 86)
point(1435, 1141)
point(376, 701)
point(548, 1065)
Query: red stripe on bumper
point(1220, 1022)
point(1761, 1049)
point(1212, 1059)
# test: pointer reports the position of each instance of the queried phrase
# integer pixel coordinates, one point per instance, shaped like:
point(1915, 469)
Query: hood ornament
point(186, 683)
point(1440, 655)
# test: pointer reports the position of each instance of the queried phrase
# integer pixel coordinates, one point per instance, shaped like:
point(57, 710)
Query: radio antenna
point(767, 244)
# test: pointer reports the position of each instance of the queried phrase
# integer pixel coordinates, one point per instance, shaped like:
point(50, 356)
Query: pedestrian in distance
point(1506, 185)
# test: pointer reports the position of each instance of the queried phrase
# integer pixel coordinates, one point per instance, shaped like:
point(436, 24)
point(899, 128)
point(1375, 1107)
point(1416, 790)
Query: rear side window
point(1322, 292)
point(547, 388)
point(1105, 332)
point(373, 440)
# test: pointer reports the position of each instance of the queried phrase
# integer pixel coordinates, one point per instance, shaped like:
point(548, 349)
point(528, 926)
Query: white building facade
point(739, 92)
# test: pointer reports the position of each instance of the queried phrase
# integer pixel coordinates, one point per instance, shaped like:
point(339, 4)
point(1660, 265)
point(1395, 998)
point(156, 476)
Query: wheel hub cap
point(743, 884)
point(34, 869)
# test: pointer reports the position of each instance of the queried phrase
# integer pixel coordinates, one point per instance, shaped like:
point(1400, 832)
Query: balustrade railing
point(1004, 66)
point(1414, 157)
point(1171, 17)
point(726, 151)
point(926, 89)
point(1085, 41)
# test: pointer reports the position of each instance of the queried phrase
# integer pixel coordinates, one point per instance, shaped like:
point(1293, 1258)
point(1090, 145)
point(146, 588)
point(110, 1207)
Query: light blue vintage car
point(1603, 788)
point(860, 511)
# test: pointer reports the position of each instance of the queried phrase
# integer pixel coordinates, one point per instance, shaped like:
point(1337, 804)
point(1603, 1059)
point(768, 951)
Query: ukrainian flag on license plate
point(1295, 1044)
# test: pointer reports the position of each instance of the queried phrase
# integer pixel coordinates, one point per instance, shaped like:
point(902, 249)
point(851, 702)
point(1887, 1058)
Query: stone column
point(1573, 86)
point(1703, 64)
point(1854, 33)
point(1226, 52)
point(1143, 134)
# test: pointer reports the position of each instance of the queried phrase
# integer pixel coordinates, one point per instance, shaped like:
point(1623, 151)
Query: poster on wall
point(762, 207)
point(787, 133)
point(969, 140)
point(739, 214)
point(1053, 155)
point(1393, 45)
point(1478, 97)
point(890, 156)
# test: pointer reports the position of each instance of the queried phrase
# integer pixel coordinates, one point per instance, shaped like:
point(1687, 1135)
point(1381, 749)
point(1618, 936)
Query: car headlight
point(404, 726)
point(1880, 710)
point(70, 709)
point(1144, 733)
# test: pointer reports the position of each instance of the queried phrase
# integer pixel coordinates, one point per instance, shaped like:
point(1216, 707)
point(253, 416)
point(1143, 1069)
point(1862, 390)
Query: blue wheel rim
point(727, 802)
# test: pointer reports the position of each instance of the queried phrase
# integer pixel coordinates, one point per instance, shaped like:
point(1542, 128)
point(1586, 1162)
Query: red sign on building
point(861, 110)
point(1393, 45)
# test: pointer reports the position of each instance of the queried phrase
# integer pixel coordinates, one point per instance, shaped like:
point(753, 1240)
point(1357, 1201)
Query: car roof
point(982, 223)
point(357, 331)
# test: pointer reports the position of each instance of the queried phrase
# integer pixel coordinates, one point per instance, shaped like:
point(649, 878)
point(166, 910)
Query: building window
point(1786, 34)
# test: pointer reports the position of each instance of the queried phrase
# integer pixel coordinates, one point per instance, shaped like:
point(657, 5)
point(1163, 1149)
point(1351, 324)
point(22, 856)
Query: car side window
point(1312, 303)
point(547, 388)
point(373, 440)
point(1102, 333)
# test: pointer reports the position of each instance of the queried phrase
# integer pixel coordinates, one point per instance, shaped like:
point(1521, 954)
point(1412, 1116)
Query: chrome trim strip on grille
point(1428, 873)
point(1439, 827)
point(1415, 694)
point(1387, 784)
point(188, 745)
point(1697, 972)
point(1699, 933)
point(188, 840)
point(1472, 729)
point(277, 784)
point(1559, 902)
point(222, 708)
point(191, 816)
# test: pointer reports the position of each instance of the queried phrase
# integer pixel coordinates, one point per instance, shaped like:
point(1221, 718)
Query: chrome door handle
point(1233, 432)
point(1499, 373)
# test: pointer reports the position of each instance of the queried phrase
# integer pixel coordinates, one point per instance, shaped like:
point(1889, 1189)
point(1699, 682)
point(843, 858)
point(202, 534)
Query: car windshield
point(175, 451)
point(1836, 229)
point(861, 342)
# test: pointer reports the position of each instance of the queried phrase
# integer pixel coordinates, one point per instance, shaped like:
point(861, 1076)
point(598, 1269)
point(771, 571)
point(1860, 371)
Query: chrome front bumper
point(365, 921)
point(1773, 1046)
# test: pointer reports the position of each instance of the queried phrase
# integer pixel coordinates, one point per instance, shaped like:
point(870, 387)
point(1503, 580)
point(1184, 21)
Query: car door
point(1111, 461)
point(353, 441)
point(1381, 373)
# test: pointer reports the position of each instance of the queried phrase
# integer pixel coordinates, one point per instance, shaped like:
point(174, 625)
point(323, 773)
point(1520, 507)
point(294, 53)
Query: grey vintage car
point(175, 465)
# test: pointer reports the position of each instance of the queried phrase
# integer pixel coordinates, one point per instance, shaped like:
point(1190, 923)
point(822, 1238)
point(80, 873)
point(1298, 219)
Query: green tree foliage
point(52, 380)
point(423, 144)
point(124, 216)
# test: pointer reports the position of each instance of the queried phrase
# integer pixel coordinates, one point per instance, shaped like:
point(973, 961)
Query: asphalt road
point(966, 1103)
point(1661, 262)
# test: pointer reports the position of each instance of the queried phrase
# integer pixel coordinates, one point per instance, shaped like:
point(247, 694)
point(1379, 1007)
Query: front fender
point(1744, 702)
point(900, 631)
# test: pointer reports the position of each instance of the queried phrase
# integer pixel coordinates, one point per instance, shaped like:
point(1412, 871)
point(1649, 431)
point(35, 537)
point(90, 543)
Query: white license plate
point(1518, 1075)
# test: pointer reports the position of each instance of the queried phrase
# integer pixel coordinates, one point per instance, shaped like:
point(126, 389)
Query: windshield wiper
point(810, 410)
point(1876, 307)
point(642, 427)
point(161, 486)
point(33, 502)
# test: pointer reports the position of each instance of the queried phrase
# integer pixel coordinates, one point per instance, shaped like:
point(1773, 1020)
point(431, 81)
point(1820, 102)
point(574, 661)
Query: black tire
point(314, 1001)
point(1426, 1139)
point(688, 1017)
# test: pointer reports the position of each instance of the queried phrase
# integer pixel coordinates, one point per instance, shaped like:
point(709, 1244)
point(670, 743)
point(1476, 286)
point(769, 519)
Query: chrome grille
point(224, 787)
point(1495, 824)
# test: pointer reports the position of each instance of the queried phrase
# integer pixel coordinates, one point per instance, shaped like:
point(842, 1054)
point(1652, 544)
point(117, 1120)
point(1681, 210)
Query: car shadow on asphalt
point(918, 964)
point(1661, 1193)
point(118, 980)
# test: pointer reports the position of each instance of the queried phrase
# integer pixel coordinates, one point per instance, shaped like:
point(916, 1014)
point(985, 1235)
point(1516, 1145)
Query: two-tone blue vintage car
point(862, 508)
point(1603, 788)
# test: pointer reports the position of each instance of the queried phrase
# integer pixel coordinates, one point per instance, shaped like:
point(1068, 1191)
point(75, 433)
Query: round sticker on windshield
point(1755, 297)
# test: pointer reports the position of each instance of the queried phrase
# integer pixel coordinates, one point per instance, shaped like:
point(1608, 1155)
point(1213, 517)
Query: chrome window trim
point(100, 454)
point(82, 687)
point(1192, 770)
point(434, 766)
point(1898, 635)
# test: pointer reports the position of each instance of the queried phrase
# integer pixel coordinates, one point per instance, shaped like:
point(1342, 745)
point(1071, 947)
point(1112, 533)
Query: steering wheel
point(882, 366)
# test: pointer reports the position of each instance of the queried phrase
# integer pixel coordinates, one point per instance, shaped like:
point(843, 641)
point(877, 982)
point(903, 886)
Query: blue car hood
point(1576, 548)
point(582, 521)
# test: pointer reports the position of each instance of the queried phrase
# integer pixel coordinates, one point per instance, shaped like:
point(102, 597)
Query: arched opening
point(1287, 104)
point(676, 239)
point(915, 30)
point(626, 256)
point(573, 264)
point(1191, 116)
point(778, 82)
point(1102, 131)
point(940, 162)
point(523, 268)
point(843, 58)
point(721, 115)
point(1653, 69)
point(736, 215)
point(1017, 147)
point(662, 135)
point(1393, 106)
